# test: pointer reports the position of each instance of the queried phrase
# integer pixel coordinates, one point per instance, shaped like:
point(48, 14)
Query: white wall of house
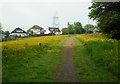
point(47, 31)
point(37, 31)
point(19, 34)
point(57, 33)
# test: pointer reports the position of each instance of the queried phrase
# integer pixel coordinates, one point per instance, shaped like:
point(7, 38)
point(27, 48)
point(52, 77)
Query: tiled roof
point(18, 30)
point(36, 27)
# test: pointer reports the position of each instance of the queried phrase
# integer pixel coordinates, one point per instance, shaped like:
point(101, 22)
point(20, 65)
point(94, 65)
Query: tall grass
point(103, 51)
point(31, 59)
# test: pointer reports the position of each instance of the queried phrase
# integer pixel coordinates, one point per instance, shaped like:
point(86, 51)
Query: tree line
point(76, 28)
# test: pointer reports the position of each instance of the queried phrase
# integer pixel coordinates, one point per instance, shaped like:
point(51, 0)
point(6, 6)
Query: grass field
point(35, 59)
point(31, 59)
point(96, 58)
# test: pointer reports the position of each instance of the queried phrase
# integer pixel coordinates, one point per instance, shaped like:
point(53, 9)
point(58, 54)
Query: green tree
point(75, 28)
point(88, 27)
point(65, 31)
point(108, 17)
point(70, 28)
point(78, 28)
point(6, 34)
point(30, 32)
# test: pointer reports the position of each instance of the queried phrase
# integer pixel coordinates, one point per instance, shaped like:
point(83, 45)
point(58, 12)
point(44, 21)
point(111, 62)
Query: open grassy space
point(96, 59)
point(31, 59)
point(36, 59)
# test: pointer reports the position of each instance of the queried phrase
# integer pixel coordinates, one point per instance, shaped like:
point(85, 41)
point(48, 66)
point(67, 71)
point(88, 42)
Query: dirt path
point(66, 71)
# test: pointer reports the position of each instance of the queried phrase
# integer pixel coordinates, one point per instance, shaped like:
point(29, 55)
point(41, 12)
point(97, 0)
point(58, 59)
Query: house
point(18, 32)
point(54, 30)
point(2, 37)
point(91, 30)
point(47, 31)
point(96, 30)
point(37, 30)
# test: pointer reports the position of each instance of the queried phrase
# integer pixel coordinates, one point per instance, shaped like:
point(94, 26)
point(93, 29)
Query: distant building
point(2, 37)
point(91, 30)
point(47, 31)
point(96, 30)
point(37, 30)
point(18, 32)
point(54, 30)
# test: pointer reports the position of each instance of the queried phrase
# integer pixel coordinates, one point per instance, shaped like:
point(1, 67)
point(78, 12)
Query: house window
point(19, 31)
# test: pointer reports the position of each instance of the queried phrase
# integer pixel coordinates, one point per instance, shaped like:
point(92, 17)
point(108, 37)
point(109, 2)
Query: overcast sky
point(25, 14)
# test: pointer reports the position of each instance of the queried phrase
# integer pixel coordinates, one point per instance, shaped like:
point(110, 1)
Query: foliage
point(6, 34)
point(88, 27)
point(65, 31)
point(78, 28)
point(30, 32)
point(108, 17)
point(70, 28)
point(75, 28)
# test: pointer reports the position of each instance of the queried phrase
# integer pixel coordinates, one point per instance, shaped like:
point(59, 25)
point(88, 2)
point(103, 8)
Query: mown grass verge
point(96, 59)
point(31, 59)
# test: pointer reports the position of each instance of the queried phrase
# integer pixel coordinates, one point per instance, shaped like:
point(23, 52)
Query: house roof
point(54, 29)
point(18, 30)
point(36, 27)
